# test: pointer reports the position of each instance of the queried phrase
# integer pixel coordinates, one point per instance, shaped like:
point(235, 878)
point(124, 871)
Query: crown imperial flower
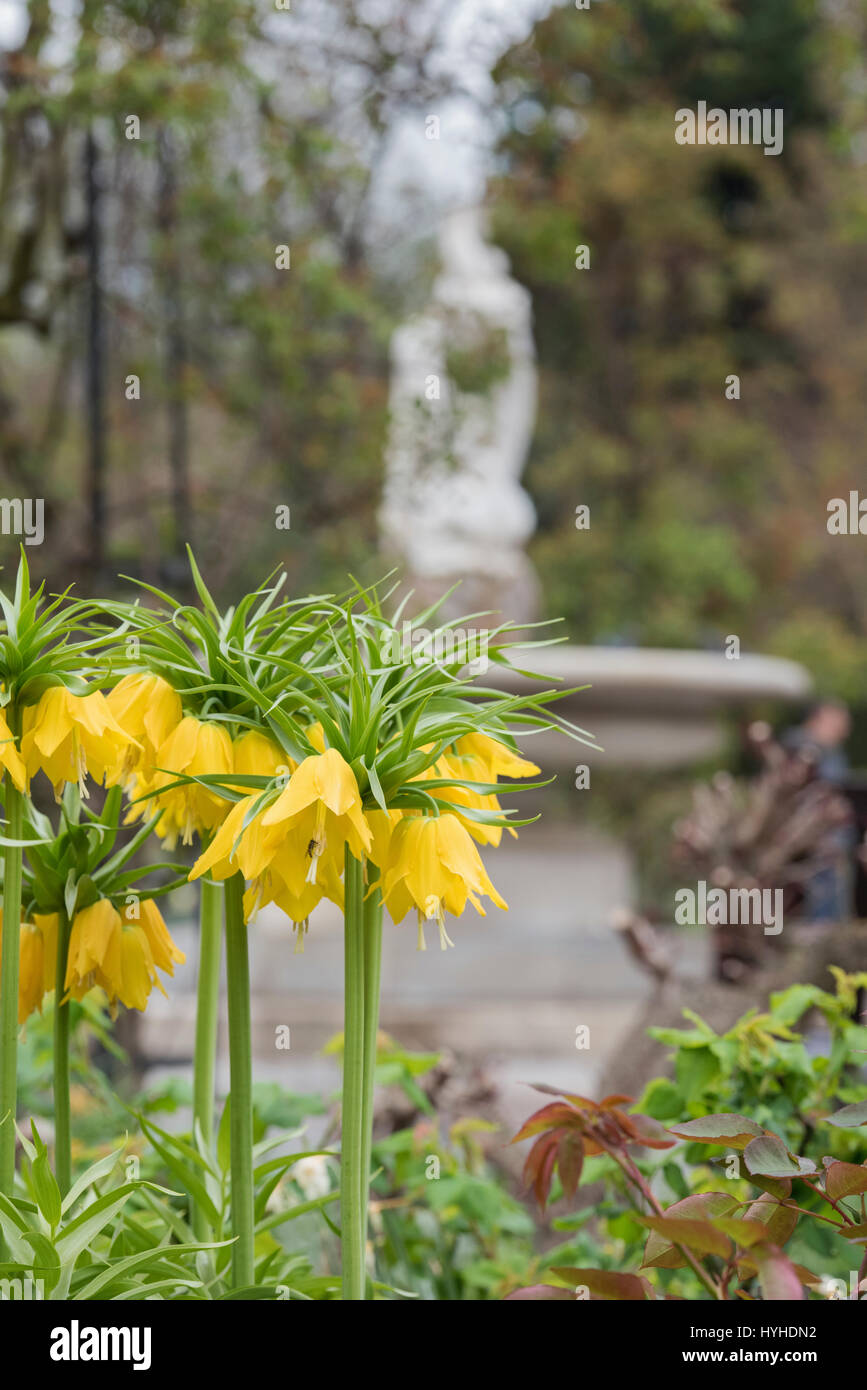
point(119, 956)
point(194, 748)
point(37, 961)
point(321, 808)
point(68, 736)
point(148, 708)
point(435, 867)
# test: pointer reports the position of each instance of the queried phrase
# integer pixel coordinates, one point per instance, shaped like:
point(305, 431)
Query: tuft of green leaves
point(44, 642)
point(69, 868)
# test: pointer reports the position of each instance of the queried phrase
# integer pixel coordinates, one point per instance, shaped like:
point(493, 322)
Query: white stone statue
point(463, 402)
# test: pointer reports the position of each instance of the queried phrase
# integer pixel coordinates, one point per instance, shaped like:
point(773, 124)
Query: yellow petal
point(163, 949)
point(95, 944)
point(499, 759)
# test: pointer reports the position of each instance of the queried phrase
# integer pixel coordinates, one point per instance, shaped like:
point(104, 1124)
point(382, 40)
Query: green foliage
point(789, 1166)
point(68, 871)
point(705, 263)
point(46, 640)
point(278, 375)
point(445, 1226)
point(786, 1079)
point(339, 662)
point(462, 1235)
point(124, 1229)
point(91, 1243)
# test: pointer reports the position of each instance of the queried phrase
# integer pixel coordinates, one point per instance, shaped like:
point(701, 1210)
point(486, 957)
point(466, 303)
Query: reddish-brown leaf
point(537, 1155)
point(735, 1131)
point(549, 1117)
point(580, 1101)
point(570, 1161)
point(858, 1232)
point(778, 1277)
point(659, 1251)
point(649, 1132)
point(539, 1167)
point(778, 1218)
point(695, 1235)
point(605, 1283)
point(845, 1180)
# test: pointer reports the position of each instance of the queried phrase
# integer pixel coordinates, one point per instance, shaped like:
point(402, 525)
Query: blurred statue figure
point(463, 403)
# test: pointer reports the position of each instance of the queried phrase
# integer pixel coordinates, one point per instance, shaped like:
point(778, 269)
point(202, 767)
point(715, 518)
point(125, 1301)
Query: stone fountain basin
point(653, 707)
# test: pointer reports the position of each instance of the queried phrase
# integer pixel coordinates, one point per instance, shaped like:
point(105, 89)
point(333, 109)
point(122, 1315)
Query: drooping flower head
point(435, 867)
point(68, 736)
point(255, 754)
point(148, 709)
point(494, 758)
point(292, 850)
point(37, 961)
point(119, 956)
point(194, 748)
point(271, 887)
point(339, 744)
point(241, 844)
point(319, 812)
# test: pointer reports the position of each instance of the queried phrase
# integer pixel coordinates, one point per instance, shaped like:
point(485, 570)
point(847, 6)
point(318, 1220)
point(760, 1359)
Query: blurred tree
point(707, 515)
point(225, 131)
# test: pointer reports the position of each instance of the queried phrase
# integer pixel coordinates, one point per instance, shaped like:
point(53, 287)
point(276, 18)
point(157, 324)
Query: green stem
point(207, 1007)
point(9, 987)
point(62, 1126)
point(372, 972)
point(207, 1004)
point(352, 1207)
point(241, 1080)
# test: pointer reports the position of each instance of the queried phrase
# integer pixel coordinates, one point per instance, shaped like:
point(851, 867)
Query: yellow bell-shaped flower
point(236, 847)
point(93, 957)
point(269, 887)
point(194, 748)
point(319, 811)
point(163, 949)
point(37, 947)
point(256, 755)
point(382, 825)
point(119, 956)
point(467, 768)
point(436, 868)
point(68, 736)
point(148, 708)
point(31, 970)
point(316, 735)
point(496, 758)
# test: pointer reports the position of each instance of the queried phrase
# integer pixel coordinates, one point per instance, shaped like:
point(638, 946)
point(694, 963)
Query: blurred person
point(821, 739)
